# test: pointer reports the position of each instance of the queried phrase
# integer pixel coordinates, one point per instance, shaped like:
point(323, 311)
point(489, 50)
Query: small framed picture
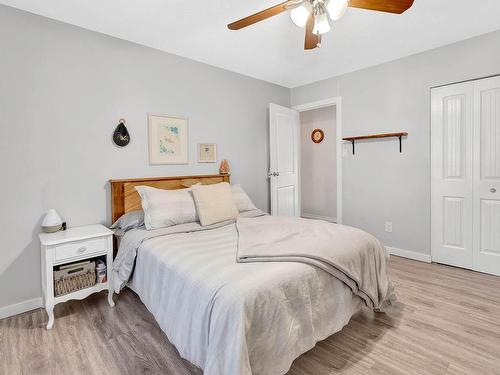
point(207, 153)
point(168, 140)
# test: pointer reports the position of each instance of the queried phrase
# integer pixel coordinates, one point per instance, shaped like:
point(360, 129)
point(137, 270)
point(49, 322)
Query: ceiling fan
point(314, 14)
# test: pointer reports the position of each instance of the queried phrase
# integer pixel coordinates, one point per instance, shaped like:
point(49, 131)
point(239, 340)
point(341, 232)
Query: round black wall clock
point(317, 135)
point(121, 137)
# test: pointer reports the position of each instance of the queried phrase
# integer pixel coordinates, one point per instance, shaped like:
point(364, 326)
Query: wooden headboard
point(124, 197)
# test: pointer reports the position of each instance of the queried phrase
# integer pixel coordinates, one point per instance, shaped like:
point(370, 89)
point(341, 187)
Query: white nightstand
point(71, 245)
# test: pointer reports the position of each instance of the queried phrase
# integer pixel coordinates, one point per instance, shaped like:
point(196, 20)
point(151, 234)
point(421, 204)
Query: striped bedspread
point(233, 318)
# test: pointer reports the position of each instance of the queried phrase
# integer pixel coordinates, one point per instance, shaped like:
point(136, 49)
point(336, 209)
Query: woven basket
point(72, 284)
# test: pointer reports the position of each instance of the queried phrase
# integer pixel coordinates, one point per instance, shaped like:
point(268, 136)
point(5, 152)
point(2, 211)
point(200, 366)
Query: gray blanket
point(349, 254)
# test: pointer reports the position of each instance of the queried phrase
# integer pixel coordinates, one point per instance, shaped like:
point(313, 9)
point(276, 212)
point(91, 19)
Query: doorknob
point(493, 190)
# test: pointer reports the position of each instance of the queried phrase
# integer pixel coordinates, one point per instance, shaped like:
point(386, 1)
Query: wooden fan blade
point(312, 40)
point(262, 15)
point(390, 6)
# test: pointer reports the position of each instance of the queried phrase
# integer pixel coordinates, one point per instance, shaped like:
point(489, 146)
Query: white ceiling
point(272, 50)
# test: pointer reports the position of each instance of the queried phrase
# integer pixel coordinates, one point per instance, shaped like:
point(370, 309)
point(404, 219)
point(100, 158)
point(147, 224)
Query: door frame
point(337, 102)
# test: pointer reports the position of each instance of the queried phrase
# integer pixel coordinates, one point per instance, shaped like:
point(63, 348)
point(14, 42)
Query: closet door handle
point(493, 190)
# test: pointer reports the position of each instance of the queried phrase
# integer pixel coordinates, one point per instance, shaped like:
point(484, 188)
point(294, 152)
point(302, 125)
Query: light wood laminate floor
point(447, 321)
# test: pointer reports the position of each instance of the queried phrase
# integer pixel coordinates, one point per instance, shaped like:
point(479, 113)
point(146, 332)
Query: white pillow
point(164, 208)
point(241, 199)
point(214, 203)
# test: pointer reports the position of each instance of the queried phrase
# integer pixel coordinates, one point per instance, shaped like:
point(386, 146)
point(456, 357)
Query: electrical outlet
point(388, 226)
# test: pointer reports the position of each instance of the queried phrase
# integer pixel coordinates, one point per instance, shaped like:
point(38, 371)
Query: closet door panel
point(487, 175)
point(454, 222)
point(489, 123)
point(490, 228)
point(451, 154)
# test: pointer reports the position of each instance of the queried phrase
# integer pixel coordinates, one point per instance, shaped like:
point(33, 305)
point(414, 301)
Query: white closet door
point(487, 175)
point(283, 160)
point(452, 176)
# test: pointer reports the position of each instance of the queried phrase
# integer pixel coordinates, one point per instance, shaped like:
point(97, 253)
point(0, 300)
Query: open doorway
point(320, 178)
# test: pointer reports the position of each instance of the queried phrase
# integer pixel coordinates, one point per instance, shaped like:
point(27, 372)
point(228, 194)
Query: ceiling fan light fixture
point(300, 14)
point(321, 23)
point(315, 15)
point(337, 8)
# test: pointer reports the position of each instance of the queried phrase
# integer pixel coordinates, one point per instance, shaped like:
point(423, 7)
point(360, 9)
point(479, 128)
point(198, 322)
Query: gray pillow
point(130, 220)
point(242, 200)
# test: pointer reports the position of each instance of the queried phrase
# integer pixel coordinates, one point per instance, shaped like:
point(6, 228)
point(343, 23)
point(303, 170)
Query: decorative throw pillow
point(164, 208)
point(241, 199)
point(214, 203)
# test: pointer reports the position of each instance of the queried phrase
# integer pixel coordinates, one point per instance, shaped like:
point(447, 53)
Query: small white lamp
point(52, 222)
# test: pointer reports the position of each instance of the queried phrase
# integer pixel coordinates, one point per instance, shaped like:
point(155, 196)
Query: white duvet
point(233, 318)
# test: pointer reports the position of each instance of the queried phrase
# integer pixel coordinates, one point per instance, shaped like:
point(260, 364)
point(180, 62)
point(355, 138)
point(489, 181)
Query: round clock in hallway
point(317, 135)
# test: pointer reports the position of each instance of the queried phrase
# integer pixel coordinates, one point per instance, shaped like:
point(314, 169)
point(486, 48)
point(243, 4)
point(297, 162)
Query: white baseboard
point(319, 217)
point(409, 254)
point(21, 307)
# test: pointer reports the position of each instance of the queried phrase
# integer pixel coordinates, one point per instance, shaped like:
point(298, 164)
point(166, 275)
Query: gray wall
point(379, 183)
point(62, 91)
point(318, 164)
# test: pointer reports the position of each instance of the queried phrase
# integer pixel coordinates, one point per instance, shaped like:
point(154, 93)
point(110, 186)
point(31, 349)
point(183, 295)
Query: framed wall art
point(168, 140)
point(207, 153)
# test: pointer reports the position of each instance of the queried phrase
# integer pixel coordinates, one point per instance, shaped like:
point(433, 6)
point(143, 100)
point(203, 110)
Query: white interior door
point(452, 174)
point(283, 163)
point(487, 175)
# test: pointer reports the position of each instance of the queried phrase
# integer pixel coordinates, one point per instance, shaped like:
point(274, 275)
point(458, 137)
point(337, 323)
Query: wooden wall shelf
point(399, 135)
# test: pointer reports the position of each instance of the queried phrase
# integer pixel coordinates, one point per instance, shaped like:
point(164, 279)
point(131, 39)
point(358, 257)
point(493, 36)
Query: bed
point(227, 317)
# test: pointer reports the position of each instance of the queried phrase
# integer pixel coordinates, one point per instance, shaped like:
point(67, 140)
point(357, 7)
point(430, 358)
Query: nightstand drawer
point(80, 249)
